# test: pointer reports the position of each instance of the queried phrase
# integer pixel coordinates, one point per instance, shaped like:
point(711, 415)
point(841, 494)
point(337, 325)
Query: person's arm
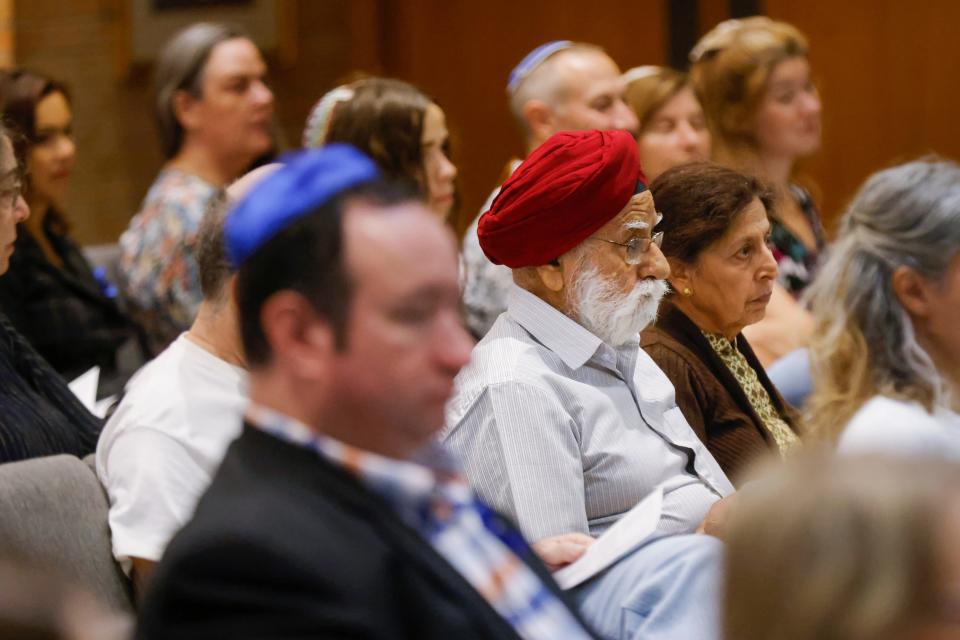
point(140, 573)
point(521, 453)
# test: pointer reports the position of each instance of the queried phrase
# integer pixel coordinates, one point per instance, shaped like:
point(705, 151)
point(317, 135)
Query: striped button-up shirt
point(433, 499)
point(565, 433)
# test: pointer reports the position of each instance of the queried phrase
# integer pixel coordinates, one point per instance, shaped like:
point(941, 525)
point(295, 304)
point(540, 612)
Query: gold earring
point(687, 291)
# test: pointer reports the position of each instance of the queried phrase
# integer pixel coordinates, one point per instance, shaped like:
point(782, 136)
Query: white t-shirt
point(886, 425)
point(159, 451)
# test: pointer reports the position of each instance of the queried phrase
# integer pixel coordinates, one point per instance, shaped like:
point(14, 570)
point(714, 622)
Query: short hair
point(730, 70)
point(542, 83)
point(822, 547)
point(307, 257)
point(649, 91)
point(863, 343)
point(214, 267)
point(180, 67)
point(699, 202)
point(384, 119)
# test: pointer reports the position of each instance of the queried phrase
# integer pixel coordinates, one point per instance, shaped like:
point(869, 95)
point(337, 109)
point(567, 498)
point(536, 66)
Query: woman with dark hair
point(39, 415)
point(715, 231)
point(51, 294)
point(397, 125)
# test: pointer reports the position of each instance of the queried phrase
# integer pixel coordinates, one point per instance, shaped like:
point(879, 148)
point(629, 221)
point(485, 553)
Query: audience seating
point(53, 514)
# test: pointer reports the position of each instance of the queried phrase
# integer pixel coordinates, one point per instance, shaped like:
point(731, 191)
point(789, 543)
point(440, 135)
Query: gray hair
point(864, 342)
point(543, 83)
point(180, 68)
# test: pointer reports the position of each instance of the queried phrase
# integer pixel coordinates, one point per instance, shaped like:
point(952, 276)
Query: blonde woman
point(754, 81)
point(886, 346)
point(845, 549)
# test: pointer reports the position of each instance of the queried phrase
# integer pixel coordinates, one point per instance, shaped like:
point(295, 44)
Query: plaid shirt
point(433, 499)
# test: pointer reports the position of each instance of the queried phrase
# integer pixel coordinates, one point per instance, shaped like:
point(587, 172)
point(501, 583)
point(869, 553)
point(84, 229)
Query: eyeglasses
point(636, 246)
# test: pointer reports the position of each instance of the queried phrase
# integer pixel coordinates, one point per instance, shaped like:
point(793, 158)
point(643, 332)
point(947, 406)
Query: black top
point(286, 545)
point(39, 415)
point(64, 312)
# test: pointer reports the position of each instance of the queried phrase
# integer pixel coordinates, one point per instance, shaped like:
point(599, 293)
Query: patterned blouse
point(157, 264)
point(759, 399)
point(798, 264)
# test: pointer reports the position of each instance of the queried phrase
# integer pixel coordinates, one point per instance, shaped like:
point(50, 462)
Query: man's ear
point(681, 275)
point(540, 118)
point(185, 109)
point(551, 275)
point(297, 335)
point(912, 290)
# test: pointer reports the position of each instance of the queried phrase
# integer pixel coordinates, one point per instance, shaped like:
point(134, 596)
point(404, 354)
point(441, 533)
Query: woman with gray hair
point(214, 112)
point(886, 345)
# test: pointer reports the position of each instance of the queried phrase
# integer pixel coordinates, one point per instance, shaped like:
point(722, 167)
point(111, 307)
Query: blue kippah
point(307, 180)
point(533, 60)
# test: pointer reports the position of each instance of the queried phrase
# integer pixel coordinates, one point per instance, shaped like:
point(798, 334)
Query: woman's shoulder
point(891, 425)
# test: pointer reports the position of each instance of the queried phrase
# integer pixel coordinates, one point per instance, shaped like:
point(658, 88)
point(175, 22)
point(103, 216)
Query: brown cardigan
point(707, 393)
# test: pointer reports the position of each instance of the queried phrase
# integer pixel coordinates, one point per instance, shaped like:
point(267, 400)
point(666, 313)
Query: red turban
point(570, 186)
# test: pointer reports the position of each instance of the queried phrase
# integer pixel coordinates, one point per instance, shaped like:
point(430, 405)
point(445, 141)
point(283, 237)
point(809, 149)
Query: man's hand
point(558, 551)
point(715, 523)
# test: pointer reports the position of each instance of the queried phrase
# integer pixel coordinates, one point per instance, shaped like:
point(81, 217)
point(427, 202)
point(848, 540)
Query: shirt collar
point(430, 471)
point(574, 344)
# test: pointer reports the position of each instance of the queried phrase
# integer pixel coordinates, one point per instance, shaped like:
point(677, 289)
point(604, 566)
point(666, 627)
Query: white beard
point(612, 316)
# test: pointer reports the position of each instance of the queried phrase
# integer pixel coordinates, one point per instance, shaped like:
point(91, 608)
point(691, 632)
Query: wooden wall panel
point(462, 52)
point(887, 74)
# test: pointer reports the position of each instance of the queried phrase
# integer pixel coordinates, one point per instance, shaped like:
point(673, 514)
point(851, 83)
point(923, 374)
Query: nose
point(262, 93)
point(811, 102)
point(66, 147)
point(656, 265)
point(624, 118)
point(688, 136)
point(21, 211)
point(447, 171)
point(454, 345)
point(769, 267)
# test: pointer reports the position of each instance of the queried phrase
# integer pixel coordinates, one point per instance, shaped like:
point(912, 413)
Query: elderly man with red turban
point(562, 421)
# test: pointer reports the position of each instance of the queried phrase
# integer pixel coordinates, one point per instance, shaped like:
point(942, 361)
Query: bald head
point(576, 88)
point(212, 261)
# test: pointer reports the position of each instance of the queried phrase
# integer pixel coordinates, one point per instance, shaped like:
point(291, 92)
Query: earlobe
point(551, 275)
point(911, 289)
point(183, 104)
point(539, 117)
point(679, 278)
point(296, 335)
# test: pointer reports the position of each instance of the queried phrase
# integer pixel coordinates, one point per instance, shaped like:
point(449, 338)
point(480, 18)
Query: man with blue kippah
point(335, 514)
point(559, 86)
point(561, 420)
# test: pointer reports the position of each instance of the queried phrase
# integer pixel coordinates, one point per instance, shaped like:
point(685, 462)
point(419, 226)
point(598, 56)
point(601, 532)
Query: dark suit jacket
point(286, 545)
point(709, 395)
point(62, 311)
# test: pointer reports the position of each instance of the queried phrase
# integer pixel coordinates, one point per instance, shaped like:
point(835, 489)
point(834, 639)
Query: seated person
point(886, 350)
point(715, 225)
point(562, 421)
point(51, 293)
point(854, 548)
point(396, 124)
point(39, 415)
point(214, 112)
point(332, 516)
point(161, 446)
